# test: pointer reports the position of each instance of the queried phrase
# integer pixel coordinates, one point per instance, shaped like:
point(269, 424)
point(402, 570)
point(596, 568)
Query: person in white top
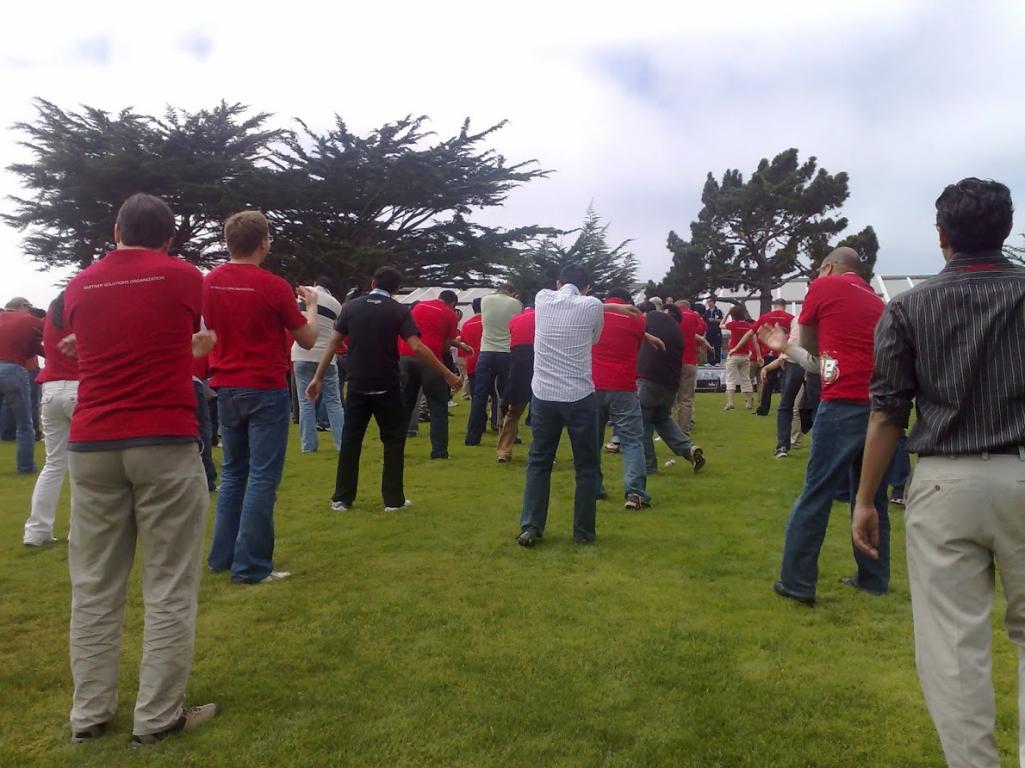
point(568, 323)
point(304, 365)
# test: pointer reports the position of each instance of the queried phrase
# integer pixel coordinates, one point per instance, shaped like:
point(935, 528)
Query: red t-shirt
point(776, 317)
point(133, 314)
point(252, 311)
point(691, 325)
point(521, 328)
point(59, 367)
point(437, 322)
point(845, 310)
point(471, 333)
point(737, 329)
point(21, 336)
point(614, 357)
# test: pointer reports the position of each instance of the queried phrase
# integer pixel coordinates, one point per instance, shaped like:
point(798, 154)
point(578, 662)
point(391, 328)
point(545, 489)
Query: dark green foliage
point(609, 267)
point(757, 234)
point(340, 205)
point(205, 164)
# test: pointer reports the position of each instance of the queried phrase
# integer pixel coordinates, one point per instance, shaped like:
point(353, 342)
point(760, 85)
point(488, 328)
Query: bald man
point(838, 323)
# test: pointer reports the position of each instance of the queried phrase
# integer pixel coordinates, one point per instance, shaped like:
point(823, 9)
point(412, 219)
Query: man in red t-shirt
point(838, 322)
point(471, 334)
point(614, 370)
point(693, 328)
point(255, 316)
point(21, 336)
point(437, 321)
point(133, 319)
point(778, 316)
point(517, 394)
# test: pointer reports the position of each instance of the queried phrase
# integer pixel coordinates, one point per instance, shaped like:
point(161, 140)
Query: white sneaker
point(339, 506)
point(670, 462)
point(41, 542)
point(274, 576)
point(405, 505)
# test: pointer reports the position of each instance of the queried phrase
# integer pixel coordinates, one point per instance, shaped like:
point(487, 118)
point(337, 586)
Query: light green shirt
point(496, 311)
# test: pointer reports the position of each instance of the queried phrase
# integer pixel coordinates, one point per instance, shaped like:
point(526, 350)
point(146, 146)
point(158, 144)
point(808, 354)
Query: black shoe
point(782, 591)
point(602, 496)
point(440, 455)
point(528, 537)
point(92, 732)
point(852, 581)
point(697, 457)
point(583, 539)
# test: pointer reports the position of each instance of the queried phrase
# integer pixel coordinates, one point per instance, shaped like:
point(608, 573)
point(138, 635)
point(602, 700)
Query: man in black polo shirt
point(373, 324)
point(659, 378)
point(954, 346)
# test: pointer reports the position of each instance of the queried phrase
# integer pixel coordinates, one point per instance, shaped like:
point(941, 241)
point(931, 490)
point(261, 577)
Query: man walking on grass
point(838, 320)
point(137, 480)
point(21, 337)
point(253, 313)
point(954, 347)
point(496, 311)
point(568, 323)
point(373, 325)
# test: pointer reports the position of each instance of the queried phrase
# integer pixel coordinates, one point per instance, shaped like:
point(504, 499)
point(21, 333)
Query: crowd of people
point(140, 344)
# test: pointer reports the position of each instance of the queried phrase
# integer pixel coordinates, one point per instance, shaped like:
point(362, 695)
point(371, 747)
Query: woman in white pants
point(738, 361)
point(60, 392)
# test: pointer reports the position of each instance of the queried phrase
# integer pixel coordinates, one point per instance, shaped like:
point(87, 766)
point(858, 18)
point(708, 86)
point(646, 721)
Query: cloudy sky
point(630, 106)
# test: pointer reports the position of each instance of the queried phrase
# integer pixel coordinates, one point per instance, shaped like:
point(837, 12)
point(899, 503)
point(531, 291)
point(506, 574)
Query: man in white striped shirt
point(568, 324)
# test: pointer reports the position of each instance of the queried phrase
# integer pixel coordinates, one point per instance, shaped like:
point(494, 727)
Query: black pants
point(793, 378)
point(206, 433)
point(766, 390)
point(715, 354)
point(387, 410)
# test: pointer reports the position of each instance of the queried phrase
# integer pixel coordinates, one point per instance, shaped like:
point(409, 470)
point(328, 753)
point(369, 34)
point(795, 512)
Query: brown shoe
point(191, 718)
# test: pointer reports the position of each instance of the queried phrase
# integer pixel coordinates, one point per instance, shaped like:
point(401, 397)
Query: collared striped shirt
point(567, 325)
point(955, 346)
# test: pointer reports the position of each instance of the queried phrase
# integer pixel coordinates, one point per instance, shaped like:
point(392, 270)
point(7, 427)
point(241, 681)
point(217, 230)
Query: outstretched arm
point(424, 353)
point(313, 390)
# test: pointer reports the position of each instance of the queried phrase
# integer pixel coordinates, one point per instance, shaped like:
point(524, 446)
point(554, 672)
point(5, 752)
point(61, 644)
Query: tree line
point(342, 204)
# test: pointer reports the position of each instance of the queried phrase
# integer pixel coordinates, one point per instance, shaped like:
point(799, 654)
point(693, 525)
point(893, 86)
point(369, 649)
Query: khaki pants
point(964, 516)
point(510, 426)
point(683, 408)
point(157, 496)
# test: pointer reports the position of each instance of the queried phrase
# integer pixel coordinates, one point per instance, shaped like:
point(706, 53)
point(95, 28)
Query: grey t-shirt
point(496, 311)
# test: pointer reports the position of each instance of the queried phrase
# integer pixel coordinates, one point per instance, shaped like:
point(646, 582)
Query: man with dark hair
point(614, 369)
point(837, 322)
point(304, 364)
point(253, 313)
point(568, 323)
point(437, 321)
point(133, 318)
point(713, 318)
point(658, 370)
point(371, 323)
point(496, 311)
point(964, 506)
point(21, 337)
point(471, 332)
point(777, 316)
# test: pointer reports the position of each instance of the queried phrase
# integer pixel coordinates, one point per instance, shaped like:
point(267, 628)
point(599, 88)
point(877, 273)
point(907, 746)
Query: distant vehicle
point(711, 378)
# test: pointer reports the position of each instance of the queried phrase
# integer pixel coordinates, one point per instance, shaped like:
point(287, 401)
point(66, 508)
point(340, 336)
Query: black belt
point(1006, 449)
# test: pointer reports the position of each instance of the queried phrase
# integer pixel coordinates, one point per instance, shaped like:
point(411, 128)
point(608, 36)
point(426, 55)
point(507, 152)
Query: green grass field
point(429, 638)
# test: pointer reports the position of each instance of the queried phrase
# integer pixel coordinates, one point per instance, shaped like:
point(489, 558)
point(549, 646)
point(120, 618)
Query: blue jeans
point(16, 387)
point(254, 434)
point(308, 440)
point(416, 374)
point(547, 420)
point(492, 368)
point(657, 412)
point(838, 440)
point(206, 434)
point(624, 410)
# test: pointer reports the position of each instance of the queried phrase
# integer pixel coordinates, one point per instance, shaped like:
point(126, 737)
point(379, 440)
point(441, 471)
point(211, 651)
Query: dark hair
point(575, 274)
point(449, 297)
point(326, 283)
point(672, 309)
point(780, 301)
point(145, 221)
point(975, 214)
point(646, 306)
point(739, 312)
point(56, 311)
point(476, 305)
point(507, 288)
point(459, 312)
point(621, 293)
point(244, 231)
point(388, 279)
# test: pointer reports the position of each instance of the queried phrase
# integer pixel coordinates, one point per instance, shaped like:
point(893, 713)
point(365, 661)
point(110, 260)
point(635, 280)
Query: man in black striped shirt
point(955, 345)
